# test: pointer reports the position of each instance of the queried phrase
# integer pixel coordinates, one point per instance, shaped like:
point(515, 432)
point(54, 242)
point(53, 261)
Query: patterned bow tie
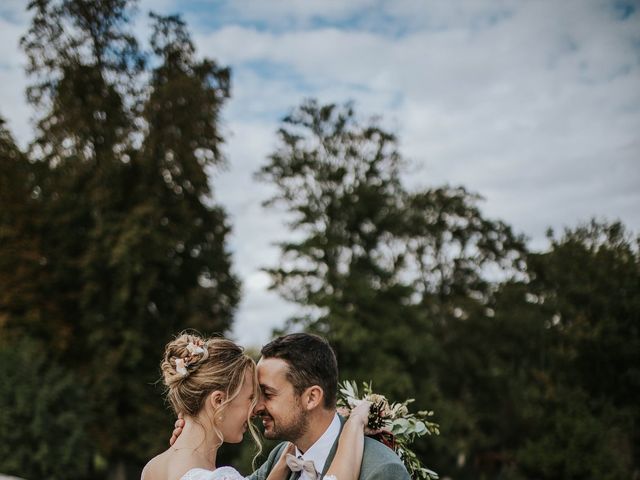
point(296, 464)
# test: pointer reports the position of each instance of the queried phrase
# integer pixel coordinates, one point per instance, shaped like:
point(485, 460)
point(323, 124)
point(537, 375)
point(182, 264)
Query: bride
point(214, 385)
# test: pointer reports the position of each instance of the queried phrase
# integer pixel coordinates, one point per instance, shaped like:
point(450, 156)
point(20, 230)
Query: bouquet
point(392, 424)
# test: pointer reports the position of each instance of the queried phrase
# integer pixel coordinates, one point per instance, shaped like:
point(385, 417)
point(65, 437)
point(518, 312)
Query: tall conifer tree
point(129, 246)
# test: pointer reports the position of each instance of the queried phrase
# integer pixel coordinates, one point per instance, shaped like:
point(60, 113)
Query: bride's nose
point(259, 408)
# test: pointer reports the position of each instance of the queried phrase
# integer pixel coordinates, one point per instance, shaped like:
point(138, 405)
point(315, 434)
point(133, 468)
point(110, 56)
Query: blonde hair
point(193, 367)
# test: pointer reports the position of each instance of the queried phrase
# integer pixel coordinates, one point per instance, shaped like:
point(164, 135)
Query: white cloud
point(538, 112)
point(13, 106)
point(535, 105)
point(14, 11)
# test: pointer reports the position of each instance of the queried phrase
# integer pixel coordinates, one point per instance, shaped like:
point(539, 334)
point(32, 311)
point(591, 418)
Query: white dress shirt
point(319, 451)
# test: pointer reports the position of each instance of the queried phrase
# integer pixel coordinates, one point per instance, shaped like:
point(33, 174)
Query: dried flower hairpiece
point(196, 352)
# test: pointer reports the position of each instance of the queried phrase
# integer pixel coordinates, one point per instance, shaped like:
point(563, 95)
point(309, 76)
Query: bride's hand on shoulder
point(359, 415)
point(177, 430)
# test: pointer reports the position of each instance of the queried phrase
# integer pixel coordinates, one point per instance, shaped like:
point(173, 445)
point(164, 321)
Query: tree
point(20, 264)
point(586, 288)
point(528, 358)
point(44, 416)
point(376, 266)
point(131, 247)
point(340, 182)
point(530, 387)
point(169, 256)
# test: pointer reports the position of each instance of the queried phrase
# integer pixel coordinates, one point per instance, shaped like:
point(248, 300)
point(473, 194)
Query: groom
point(298, 375)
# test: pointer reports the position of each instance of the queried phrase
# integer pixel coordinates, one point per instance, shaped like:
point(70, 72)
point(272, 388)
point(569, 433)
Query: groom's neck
point(319, 421)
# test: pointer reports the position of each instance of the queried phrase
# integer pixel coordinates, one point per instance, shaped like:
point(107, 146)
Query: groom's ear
point(312, 397)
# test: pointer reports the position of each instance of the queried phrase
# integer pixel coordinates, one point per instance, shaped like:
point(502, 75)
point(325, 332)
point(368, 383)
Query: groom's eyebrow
point(266, 388)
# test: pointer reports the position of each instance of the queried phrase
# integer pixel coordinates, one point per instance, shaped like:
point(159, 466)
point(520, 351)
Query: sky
point(535, 105)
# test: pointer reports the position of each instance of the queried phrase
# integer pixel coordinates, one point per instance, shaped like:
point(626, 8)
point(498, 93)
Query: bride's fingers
point(362, 408)
point(361, 411)
point(180, 421)
point(177, 430)
point(291, 449)
point(174, 435)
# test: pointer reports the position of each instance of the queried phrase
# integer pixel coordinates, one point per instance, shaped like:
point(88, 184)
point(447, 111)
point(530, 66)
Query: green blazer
point(379, 462)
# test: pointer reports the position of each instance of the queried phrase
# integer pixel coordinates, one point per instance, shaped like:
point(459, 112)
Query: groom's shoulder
point(375, 450)
point(380, 462)
point(378, 458)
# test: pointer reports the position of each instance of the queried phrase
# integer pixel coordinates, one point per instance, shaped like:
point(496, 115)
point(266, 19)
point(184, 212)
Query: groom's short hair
point(311, 361)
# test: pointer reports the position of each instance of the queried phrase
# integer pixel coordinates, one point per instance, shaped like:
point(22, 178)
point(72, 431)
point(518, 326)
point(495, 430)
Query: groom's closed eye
point(267, 392)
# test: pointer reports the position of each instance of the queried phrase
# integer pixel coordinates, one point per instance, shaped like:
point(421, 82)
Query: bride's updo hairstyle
point(193, 367)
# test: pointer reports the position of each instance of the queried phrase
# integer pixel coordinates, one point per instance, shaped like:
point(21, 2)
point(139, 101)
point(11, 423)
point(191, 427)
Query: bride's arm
point(346, 463)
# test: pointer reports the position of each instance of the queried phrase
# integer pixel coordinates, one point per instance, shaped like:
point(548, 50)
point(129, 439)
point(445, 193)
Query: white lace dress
point(222, 473)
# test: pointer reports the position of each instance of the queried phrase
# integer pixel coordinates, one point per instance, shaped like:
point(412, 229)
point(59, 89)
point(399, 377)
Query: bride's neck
point(199, 439)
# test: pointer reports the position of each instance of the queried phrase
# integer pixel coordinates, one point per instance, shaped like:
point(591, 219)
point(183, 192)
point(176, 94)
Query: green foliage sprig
point(392, 423)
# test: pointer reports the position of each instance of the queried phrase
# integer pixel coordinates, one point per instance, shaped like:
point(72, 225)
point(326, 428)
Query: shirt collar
point(319, 451)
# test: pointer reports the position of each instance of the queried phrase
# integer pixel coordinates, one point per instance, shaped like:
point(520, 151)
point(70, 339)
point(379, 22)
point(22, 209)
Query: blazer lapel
point(332, 452)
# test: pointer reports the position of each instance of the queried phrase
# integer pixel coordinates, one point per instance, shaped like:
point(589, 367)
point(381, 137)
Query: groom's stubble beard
point(293, 429)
